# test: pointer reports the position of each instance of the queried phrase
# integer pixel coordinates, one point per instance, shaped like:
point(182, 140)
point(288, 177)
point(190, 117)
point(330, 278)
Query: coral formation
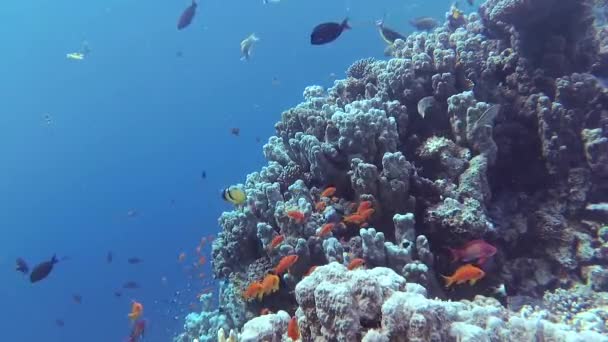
point(512, 151)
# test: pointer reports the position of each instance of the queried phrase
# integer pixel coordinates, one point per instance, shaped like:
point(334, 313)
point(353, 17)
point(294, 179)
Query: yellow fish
point(234, 195)
point(75, 55)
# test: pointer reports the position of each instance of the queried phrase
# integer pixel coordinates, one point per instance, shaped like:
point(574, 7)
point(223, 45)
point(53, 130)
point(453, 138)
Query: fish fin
point(473, 281)
point(345, 24)
point(448, 281)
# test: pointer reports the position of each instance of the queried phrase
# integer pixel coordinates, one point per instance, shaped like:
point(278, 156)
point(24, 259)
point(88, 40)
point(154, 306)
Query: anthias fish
point(186, 18)
point(327, 32)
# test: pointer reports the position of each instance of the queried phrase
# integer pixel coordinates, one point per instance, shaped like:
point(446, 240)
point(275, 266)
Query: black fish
point(42, 270)
point(22, 266)
point(327, 32)
point(186, 18)
point(235, 131)
point(117, 293)
point(130, 285)
point(424, 23)
point(204, 174)
point(134, 260)
point(388, 35)
point(77, 298)
point(109, 257)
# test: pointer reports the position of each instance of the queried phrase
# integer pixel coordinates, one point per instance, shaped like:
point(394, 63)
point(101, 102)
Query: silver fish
point(425, 104)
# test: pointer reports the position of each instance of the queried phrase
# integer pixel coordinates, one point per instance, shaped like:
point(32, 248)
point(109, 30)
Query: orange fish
point(270, 284)
point(326, 229)
point(202, 260)
point(276, 241)
point(354, 219)
point(310, 270)
point(364, 206)
point(355, 263)
point(181, 257)
point(328, 192)
point(293, 331)
point(137, 309)
point(296, 215)
point(254, 290)
point(320, 206)
point(285, 264)
point(265, 311)
point(463, 274)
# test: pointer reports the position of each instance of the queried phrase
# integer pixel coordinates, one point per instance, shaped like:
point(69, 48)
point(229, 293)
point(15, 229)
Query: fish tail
point(345, 24)
point(448, 281)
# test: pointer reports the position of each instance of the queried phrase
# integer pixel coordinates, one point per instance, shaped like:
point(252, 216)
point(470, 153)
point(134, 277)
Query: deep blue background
point(132, 126)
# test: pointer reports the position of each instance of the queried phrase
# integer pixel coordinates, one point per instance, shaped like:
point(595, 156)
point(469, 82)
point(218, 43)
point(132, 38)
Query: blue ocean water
point(130, 128)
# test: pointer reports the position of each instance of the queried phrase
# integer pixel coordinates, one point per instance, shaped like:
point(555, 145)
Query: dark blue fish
point(327, 32)
point(186, 18)
point(109, 257)
point(60, 323)
point(134, 260)
point(42, 270)
point(22, 266)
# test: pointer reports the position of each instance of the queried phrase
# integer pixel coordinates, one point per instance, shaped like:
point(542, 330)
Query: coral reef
point(513, 151)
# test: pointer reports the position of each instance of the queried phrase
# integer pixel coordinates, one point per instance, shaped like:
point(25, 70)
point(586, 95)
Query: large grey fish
point(43, 269)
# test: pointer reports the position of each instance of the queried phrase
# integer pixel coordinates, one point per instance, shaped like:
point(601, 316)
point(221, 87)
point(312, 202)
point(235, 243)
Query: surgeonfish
point(424, 23)
point(43, 269)
point(388, 35)
point(75, 56)
point(247, 46)
point(234, 195)
point(328, 32)
point(186, 18)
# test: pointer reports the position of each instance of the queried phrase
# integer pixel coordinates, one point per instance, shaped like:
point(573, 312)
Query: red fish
point(138, 331)
point(326, 229)
point(473, 250)
point(277, 240)
point(328, 192)
point(285, 264)
point(186, 18)
point(293, 331)
point(355, 263)
point(296, 215)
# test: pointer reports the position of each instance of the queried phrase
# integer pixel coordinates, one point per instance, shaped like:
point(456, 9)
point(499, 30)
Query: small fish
point(60, 323)
point(204, 174)
point(328, 192)
point(254, 290)
point(134, 260)
point(463, 274)
point(235, 131)
point(247, 46)
point(425, 105)
point(109, 257)
point(181, 257)
point(320, 206)
point(293, 331)
point(285, 263)
point(130, 285)
point(43, 269)
point(186, 18)
point(326, 229)
point(424, 23)
point(117, 294)
point(132, 213)
point(137, 309)
point(21, 266)
point(277, 240)
point(202, 260)
point(296, 215)
point(355, 263)
point(388, 35)
point(364, 206)
point(270, 284)
point(234, 195)
point(75, 56)
point(77, 298)
point(473, 250)
point(328, 32)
